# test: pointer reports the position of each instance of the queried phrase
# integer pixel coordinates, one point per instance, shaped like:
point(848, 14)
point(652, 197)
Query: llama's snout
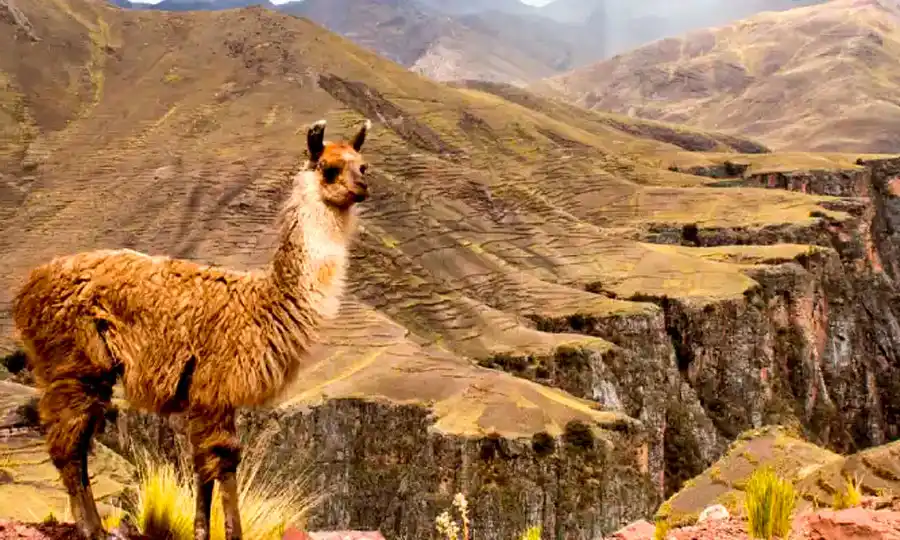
point(360, 192)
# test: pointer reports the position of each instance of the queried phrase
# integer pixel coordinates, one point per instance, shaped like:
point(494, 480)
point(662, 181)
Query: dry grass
point(661, 530)
point(770, 502)
point(447, 527)
point(850, 495)
point(163, 506)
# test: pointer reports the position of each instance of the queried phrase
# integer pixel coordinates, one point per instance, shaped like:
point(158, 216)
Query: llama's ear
point(360, 137)
point(315, 140)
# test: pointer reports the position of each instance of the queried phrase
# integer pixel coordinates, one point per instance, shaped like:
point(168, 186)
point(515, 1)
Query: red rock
point(10, 530)
point(712, 529)
point(851, 524)
point(893, 186)
point(295, 534)
point(639, 530)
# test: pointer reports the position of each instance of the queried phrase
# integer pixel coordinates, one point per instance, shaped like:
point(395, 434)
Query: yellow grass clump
point(163, 506)
point(661, 530)
point(849, 496)
point(770, 501)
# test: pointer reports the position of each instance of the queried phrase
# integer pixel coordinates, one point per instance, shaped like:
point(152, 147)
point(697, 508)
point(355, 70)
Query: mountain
point(443, 40)
point(626, 24)
point(465, 7)
point(493, 46)
point(193, 5)
point(562, 313)
point(504, 41)
point(816, 78)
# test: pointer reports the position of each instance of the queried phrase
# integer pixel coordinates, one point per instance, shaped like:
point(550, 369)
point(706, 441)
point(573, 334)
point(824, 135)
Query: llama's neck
point(309, 266)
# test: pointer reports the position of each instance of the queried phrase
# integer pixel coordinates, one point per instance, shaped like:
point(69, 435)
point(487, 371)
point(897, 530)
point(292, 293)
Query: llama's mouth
point(360, 196)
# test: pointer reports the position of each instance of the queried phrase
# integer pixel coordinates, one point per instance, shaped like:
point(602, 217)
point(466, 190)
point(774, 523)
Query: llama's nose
point(361, 192)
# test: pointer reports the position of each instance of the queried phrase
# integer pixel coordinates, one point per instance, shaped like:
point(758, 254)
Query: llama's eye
point(331, 174)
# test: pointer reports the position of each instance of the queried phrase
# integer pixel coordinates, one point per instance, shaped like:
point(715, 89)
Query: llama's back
point(144, 306)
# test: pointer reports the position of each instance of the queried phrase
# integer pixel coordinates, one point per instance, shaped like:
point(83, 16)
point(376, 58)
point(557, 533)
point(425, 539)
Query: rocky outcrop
point(12, 14)
point(812, 340)
point(386, 465)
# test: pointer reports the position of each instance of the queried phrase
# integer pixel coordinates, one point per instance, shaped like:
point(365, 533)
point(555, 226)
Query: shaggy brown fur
point(185, 337)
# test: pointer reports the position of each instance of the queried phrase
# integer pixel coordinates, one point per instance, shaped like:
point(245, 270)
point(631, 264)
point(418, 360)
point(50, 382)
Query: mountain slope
point(627, 24)
point(542, 312)
point(815, 78)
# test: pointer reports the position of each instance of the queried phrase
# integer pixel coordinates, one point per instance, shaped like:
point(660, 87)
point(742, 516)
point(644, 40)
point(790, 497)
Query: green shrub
point(770, 501)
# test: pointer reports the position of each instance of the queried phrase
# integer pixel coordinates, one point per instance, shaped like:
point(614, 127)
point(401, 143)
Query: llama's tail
point(23, 316)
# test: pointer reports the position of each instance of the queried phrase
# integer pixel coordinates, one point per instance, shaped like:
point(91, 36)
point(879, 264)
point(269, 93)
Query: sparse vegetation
point(447, 526)
point(770, 501)
point(163, 506)
point(715, 475)
point(532, 533)
point(849, 496)
point(113, 519)
point(661, 530)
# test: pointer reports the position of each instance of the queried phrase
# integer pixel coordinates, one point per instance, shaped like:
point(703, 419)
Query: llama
point(189, 338)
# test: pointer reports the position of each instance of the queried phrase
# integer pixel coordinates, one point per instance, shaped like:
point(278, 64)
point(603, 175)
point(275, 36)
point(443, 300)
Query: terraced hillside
point(657, 313)
point(817, 78)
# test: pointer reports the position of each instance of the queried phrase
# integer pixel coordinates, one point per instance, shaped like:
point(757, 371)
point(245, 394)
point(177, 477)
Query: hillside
point(543, 313)
point(816, 78)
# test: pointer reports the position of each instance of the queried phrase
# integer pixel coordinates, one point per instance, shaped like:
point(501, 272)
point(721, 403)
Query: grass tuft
point(850, 496)
point(532, 533)
point(165, 500)
point(770, 501)
point(661, 530)
point(113, 519)
point(163, 506)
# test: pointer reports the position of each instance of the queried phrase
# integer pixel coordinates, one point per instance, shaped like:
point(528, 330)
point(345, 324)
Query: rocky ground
point(849, 524)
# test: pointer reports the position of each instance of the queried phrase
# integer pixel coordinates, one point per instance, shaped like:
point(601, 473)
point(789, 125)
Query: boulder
point(850, 524)
point(713, 513)
point(639, 530)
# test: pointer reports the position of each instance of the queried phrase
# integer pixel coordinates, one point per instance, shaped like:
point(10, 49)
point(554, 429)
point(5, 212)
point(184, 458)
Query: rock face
point(396, 466)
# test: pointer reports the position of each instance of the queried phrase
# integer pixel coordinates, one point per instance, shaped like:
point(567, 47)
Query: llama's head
point(340, 169)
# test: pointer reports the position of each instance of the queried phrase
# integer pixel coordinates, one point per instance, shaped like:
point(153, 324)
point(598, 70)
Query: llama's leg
point(71, 412)
point(202, 507)
point(217, 454)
